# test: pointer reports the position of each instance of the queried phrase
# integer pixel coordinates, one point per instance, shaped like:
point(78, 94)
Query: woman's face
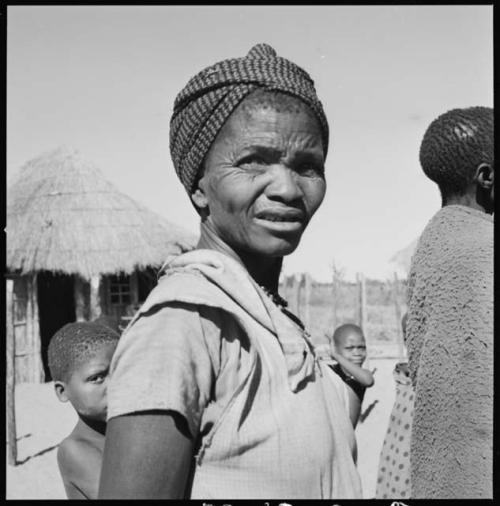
point(263, 179)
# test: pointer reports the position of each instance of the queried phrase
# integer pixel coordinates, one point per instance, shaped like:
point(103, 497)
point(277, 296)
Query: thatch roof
point(63, 215)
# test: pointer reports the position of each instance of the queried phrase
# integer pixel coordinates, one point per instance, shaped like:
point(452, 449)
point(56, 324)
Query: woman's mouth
point(276, 218)
point(282, 220)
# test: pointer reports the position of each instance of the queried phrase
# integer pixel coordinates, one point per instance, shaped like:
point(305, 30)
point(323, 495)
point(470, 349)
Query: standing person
point(393, 479)
point(350, 353)
point(215, 390)
point(450, 313)
point(79, 357)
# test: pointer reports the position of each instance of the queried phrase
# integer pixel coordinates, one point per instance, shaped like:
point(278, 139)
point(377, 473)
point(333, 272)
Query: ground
point(42, 422)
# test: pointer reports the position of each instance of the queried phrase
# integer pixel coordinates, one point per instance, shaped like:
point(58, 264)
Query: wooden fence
point(323, 312)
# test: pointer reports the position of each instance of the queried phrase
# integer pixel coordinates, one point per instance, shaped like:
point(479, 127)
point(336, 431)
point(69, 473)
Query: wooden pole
point(35, 331)
point(397, 309)
point(95, 297)
point(307, 300)
point(361, 301)
point(79, 296)
point(295, 295)
point(134, 289)
point(287, 289)
point(335, 299)
point(362, 317)
point(11, 381)
point(30, 345)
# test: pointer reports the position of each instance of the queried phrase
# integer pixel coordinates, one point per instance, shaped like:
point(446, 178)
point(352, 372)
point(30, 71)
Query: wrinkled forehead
point(260, 121)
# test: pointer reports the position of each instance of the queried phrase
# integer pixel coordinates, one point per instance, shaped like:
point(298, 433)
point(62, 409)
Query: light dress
point(271, 420)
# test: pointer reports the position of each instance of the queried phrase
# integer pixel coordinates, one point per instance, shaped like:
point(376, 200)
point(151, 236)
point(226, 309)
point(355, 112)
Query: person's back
point(79, 458)
point(450, 314)
point(79, 359)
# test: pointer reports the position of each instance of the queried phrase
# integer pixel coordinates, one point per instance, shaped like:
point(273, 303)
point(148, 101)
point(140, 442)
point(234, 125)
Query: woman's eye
point(253, 161)
point(311, 169)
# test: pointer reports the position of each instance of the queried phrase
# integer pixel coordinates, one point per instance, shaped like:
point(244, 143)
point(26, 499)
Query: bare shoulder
point(79, 462)
point(76, 448)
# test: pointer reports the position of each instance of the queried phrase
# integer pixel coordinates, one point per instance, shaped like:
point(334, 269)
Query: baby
point(350, 353)
point(79, 357)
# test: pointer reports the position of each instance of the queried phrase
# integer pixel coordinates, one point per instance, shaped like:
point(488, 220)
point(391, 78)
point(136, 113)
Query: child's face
point(86, 388)
point(352, 346)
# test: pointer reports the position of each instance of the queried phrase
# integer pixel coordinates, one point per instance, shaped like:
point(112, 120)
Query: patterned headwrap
point(209, 98)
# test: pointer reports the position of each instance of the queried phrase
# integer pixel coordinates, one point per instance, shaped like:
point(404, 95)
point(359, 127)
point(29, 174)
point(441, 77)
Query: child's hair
point(454, 145)
point(344, 329)
point(73, 343)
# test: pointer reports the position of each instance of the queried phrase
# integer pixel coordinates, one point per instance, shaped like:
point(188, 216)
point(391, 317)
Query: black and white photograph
point(249, 252)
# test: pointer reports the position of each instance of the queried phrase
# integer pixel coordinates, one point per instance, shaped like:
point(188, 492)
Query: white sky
point(104, 79)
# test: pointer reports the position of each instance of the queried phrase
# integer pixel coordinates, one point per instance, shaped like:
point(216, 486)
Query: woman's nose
point(284, 185)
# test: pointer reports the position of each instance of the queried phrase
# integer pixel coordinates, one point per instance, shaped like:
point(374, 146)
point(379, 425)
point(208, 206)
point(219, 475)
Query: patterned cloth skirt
point(393, 479)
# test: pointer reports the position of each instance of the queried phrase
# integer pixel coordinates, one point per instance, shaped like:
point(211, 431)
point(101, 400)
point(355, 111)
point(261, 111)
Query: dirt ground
point(42, 422)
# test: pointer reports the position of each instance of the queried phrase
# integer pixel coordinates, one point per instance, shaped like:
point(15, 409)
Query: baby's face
point(352, 346)
point(86, 388)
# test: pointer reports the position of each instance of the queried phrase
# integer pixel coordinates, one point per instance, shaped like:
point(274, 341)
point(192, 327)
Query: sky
point(103, 79)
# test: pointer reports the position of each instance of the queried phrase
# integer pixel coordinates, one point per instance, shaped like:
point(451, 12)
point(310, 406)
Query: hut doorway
point(56, 307)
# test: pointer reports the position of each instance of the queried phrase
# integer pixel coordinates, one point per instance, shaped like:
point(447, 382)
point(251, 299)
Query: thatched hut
point(77, 249)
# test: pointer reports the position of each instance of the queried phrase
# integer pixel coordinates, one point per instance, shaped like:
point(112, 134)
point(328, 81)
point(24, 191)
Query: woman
point(215, 391)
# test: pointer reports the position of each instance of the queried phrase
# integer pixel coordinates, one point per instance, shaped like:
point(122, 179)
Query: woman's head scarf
point(209, 98)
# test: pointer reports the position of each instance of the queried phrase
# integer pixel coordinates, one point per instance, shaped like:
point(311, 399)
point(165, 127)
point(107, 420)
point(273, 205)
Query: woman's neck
point(478, 200)
point(265, 271)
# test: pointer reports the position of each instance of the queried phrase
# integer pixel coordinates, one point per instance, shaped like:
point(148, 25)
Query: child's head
point(79, 357)
point(457, 152)
point(350, 343)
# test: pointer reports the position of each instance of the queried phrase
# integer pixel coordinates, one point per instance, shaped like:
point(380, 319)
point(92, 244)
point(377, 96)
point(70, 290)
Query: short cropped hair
point(74, 343)
point(344, 329)
point(454, 145)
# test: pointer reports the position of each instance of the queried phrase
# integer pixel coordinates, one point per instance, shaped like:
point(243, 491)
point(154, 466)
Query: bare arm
point(147, 455)
point(361, 375)
point(354, 406)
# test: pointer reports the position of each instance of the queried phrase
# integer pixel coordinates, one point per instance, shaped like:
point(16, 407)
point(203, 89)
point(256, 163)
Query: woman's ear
point(199, 198)
point(485, 188)
point(60, 388)
point(485, 176)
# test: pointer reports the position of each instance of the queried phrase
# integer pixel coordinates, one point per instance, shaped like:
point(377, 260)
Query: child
point(350, 353)
point(79, 356)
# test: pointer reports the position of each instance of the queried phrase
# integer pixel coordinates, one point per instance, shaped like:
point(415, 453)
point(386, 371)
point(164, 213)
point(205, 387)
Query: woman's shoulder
point(187, 286)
